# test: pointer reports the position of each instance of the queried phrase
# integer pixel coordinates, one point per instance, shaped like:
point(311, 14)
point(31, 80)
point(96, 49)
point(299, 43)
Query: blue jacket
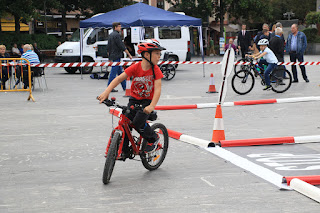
point(301, 42)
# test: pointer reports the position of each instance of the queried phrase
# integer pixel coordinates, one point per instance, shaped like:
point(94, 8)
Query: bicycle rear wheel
point(111, 157)
point(281, 84)
point(169, 71)
point(242, 82)
point(153, 160)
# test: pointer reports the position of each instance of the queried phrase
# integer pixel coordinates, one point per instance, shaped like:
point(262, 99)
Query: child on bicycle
point(269, 57)
point(145, 90)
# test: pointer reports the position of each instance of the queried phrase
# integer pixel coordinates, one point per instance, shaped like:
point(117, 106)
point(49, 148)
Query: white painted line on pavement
point(207, 182)
point(255, 169)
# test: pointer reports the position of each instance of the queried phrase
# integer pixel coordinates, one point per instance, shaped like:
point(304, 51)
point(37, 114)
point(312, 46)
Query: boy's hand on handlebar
point(103, 96)
point(148, 109)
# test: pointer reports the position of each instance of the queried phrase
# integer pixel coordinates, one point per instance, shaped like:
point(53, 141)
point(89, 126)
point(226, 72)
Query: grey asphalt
point(52, 151)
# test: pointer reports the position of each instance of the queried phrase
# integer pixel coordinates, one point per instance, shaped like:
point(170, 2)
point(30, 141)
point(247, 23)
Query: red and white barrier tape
point(235, 103)
point(105, 64)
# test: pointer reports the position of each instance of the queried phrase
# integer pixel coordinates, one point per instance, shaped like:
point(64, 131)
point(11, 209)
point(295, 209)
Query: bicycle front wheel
point(281, 84)
point(238, 67)
point(111, 157)
point(242, 82)
point(153, 160)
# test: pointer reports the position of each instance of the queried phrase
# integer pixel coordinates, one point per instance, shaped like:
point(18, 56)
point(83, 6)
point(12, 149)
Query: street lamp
point(288, 14)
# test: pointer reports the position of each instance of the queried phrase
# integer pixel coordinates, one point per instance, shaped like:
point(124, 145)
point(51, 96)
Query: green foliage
point(200, 9)
point(256, 10)
point(299, 8)
point(313, 18)
point(43, 41)
point(311, 34)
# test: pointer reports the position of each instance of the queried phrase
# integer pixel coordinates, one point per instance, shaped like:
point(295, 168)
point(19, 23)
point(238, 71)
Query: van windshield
point(76, 35)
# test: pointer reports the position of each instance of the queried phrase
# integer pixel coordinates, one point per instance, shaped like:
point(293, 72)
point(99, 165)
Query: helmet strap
point(152, 65)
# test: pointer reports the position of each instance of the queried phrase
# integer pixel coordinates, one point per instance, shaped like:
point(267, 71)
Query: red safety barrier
point(256, 141)
point(254, 102)
point(174, 107)
point(174, 134)
point(311, 179)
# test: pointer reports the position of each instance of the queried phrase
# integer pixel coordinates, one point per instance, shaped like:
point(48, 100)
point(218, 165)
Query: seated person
point(232, 45)
point(33, 58)
point(5, 72)
point(15, 51)
point(269, 57)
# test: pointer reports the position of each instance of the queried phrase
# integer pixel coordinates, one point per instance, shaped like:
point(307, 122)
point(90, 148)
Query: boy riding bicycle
point(270, 59)
point(145, 91)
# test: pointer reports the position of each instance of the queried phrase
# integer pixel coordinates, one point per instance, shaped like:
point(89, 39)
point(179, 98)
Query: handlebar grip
point(108, 102)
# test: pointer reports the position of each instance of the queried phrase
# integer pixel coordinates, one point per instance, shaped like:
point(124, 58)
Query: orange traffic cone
point(218, 127)
point(212, 87)
point(128, 87)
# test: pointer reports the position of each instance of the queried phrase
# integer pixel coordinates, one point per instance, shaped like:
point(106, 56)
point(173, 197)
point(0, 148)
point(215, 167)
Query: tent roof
point(140, 14)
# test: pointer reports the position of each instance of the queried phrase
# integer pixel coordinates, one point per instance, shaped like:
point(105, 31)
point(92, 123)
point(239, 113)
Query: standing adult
point(276, 44)
point(115, 49)
point(295, 46)
point(265, 26)
point(244, 40)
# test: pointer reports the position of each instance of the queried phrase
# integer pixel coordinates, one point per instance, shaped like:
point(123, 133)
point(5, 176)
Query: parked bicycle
point(168, 70)
point(243, 81)
point(137, 144)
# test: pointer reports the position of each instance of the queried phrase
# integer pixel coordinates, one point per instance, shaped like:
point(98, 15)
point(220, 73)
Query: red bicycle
point(137, 144)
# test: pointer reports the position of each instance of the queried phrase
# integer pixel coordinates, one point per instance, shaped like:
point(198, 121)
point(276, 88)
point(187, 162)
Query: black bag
point(278, 73)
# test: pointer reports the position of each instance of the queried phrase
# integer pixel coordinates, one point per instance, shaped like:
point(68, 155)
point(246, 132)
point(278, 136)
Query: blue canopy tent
point(143, 15)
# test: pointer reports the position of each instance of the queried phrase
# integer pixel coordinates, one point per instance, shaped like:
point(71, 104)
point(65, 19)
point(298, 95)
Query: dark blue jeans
point(293, 58)
point(267, 73)
point(113, 73)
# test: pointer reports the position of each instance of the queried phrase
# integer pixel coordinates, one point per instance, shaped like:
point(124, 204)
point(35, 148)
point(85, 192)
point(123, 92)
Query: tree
point(103, 6)
point(200, 9)
point(313, 18)
point(19, 9)
point(279, 7)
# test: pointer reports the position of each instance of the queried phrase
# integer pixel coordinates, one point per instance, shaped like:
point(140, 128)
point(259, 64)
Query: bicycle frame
point(124, 125)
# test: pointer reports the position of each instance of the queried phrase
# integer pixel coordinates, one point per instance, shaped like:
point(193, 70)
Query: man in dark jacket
point(115, 49)
point(244, 40)
point(276, 44)
point(260, 33)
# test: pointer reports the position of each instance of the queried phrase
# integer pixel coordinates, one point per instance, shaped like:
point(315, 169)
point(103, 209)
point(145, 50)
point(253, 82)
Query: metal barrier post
point(15, 89)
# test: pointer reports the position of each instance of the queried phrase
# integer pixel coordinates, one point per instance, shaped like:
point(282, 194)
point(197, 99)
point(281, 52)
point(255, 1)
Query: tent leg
point(201, 48)
point(81, 49)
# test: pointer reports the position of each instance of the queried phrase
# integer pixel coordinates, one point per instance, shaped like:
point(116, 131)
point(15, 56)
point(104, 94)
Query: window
point(99, 34)
point(169, 33)
point(149, 33)
point(76, 35)
point(160, 4)
point(103, 34)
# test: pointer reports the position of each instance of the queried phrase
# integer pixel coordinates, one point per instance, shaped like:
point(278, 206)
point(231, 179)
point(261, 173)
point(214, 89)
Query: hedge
point(43, 41)
point(311, 34)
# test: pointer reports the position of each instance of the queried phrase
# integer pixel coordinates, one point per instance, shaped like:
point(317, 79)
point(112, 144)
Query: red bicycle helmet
point(149, 45)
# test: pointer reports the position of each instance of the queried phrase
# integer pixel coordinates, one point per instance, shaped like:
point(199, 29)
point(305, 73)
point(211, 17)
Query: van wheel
point(71, 70)
point(173, 58)
point(87, 70)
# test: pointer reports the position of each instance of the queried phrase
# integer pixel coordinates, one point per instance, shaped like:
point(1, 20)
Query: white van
point(175, 39)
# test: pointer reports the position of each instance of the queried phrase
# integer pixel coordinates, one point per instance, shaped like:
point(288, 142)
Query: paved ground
point(51, 156)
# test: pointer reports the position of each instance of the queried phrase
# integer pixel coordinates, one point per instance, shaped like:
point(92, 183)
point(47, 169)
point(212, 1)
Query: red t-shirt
point(142, 86)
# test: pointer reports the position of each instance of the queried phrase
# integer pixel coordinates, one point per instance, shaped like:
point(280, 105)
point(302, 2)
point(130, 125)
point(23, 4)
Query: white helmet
point(263, 42)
